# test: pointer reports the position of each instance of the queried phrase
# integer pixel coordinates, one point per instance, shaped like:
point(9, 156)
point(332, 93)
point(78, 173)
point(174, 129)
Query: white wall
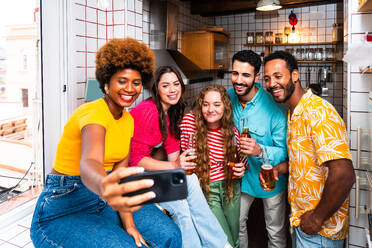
point(53, 45)
point(355, 90)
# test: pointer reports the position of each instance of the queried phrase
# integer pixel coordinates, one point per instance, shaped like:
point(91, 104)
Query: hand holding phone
point(112, 191)
point(169, 185)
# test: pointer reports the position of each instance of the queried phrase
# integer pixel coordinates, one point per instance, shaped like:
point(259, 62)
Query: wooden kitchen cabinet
point(208, 50)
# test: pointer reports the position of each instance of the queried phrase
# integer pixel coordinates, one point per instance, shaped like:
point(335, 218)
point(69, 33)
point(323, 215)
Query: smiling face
point(243, 78)
point(212, 109)
point(279, 81)
point(124, 88)
point(169, 90)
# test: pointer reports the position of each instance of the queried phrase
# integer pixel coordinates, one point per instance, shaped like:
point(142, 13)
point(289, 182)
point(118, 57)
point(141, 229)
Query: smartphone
point(169, 185)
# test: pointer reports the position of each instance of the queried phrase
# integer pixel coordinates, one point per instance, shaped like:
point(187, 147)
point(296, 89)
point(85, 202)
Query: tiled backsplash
point(314, 23)
point(91, 27)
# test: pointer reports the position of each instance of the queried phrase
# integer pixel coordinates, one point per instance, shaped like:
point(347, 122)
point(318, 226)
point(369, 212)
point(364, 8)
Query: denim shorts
point(68, 214)
point(303, 240)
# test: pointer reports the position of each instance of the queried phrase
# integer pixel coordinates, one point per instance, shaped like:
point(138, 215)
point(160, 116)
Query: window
point(20, 99)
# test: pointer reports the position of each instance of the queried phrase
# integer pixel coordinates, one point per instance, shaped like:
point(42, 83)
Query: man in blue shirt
point(267, 127)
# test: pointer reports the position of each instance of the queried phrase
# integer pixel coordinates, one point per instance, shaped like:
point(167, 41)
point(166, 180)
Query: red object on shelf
point(292, 19)
point(369, 37)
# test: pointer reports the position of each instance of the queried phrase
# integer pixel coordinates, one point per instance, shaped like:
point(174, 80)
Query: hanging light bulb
point(294, 37)
point(268, 5)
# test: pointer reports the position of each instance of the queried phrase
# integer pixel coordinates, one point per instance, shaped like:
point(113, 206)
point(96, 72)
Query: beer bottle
point(245, 132)
point(235, 157)
point(191, 144)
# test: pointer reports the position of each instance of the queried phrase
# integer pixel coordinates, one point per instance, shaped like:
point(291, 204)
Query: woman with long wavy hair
point(156, 124)
point(211, 122)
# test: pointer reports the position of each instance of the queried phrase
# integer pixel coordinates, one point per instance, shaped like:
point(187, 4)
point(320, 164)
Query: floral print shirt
point(315, 134)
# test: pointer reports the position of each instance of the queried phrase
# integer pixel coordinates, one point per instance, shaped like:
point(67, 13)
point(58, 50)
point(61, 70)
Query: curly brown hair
point(227, 129)
point(120, 54)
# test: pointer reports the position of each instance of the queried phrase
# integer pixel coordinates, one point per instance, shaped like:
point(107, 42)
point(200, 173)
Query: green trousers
point(227, 213)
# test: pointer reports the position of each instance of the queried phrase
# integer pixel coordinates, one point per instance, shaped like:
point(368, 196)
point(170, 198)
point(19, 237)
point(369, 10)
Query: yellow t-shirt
point(117, 140)
point(315, 134)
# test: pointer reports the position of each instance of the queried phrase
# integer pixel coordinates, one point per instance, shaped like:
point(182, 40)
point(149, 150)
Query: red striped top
point(214, 142)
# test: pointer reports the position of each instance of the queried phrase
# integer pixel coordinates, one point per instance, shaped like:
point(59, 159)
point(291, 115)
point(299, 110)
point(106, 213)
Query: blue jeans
point(199, 226)
point(68, 214)
point(303, 240)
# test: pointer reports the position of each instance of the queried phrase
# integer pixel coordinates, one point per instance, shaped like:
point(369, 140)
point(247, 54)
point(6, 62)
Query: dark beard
point(289, 89)
point(249, 88)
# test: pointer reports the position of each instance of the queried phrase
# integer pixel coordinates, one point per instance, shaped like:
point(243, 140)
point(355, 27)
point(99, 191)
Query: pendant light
point(268, 5)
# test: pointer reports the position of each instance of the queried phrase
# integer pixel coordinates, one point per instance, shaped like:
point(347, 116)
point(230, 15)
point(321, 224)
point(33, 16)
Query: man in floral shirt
point(320, 170)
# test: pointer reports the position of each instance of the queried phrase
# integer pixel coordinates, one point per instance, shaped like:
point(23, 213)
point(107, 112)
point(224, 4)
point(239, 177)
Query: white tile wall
point(359, 120)
point(361, 22)
point(355, 246)
point(361, 82)
point(357, 86)
point(119, 5)
point(357, 236)
point(109, 18)
point(319, 29)
point(91, 3)
point(131, 5)
point(119, 17)
point(359, 101)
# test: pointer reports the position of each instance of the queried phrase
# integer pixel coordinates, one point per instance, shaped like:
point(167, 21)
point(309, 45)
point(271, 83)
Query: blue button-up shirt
point(267, 123)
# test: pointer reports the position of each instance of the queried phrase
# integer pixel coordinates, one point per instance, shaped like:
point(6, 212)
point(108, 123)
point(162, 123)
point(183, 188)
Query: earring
point(106, 89)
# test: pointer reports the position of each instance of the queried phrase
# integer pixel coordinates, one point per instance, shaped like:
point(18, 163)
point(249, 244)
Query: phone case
point(169, 185)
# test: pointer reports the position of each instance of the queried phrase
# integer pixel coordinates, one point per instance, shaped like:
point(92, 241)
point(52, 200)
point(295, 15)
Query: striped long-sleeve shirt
point(215, 145)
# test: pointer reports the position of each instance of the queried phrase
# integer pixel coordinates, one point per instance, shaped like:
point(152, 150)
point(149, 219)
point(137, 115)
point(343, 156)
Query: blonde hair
point(227, 129)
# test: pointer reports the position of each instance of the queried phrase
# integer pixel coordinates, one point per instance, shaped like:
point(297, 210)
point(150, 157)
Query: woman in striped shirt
point(213, 126)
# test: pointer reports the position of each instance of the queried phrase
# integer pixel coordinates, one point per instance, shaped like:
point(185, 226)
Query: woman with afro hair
point(212, 125)
point(82, 203)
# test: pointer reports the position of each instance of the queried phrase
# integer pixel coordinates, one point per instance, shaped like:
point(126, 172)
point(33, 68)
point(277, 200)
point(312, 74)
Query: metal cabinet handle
point(357, 188)
point(359, 161)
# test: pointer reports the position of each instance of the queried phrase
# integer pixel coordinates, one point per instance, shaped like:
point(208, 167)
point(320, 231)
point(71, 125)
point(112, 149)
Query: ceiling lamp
point(268, 5)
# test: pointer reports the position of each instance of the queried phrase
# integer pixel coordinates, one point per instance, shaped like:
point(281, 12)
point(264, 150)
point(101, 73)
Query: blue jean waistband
point(62, 180)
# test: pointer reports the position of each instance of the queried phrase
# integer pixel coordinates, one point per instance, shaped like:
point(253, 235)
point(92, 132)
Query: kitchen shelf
point(268, 47)
point(318, 61)
point(268, 50)
point(292, 44)
point(333, 62)
point(365, 7)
